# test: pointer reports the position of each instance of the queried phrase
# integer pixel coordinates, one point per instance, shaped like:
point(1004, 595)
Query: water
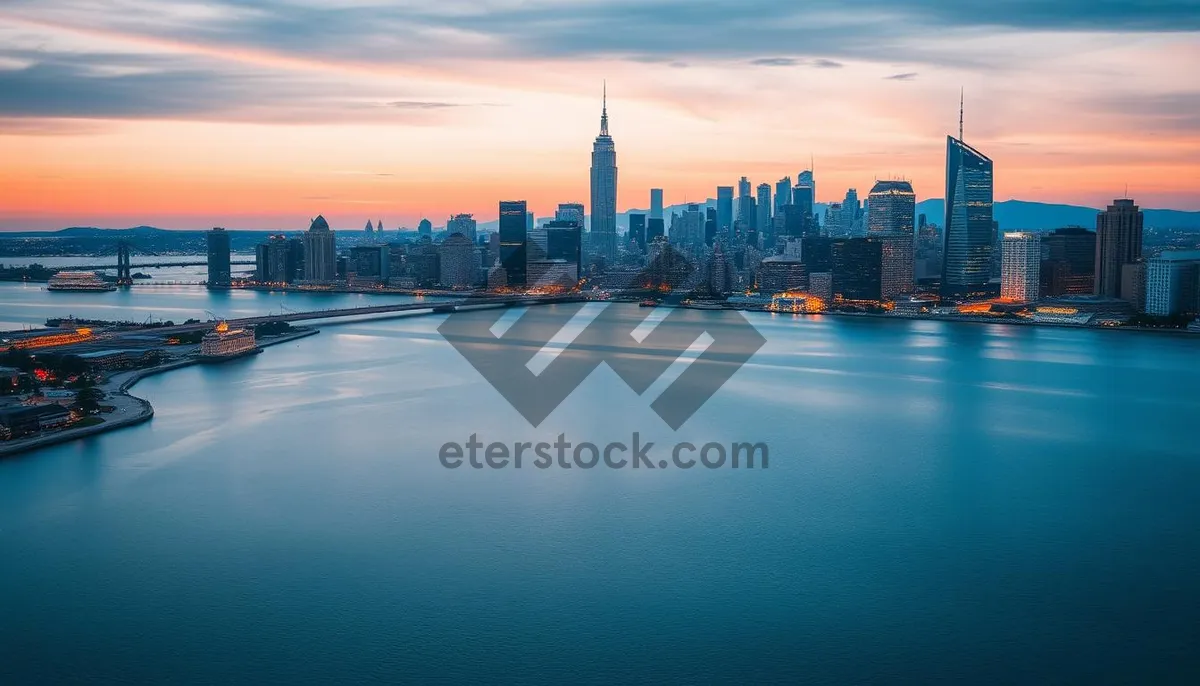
point(944, 502)
point(168, 274)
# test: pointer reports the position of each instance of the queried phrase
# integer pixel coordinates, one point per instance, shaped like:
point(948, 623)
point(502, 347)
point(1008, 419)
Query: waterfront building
point(724, 208)
point(225, 342)
point(514, 239)
point(424, 263)
point(897, 263)
point(367, 262)
point(967, 252)
point(1118, 243)
point(219, 273)
point(1069, 262)
point(820, 284)
point(604, 190)
point(458, 266)
point(892, 207)
point(1021, 260)
point(857, 269)
point(564, 241)
point(780, 273)
point(637, 229)
point(549, 273)
point(656, 203)
point(320, 252)
point(464, 224)
point(397, 262)
point(1173, 283)
point(1133, 285)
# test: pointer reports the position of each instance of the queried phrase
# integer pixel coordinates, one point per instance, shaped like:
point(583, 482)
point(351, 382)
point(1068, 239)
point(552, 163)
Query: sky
point(261, 114)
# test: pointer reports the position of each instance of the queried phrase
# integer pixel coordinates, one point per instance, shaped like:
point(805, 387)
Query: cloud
point(775, 62)
point(422, 105)
point(827, 64)
point(906, 76)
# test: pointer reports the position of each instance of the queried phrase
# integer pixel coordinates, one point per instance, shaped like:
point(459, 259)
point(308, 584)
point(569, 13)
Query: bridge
point(149, 265)
point(467, 304)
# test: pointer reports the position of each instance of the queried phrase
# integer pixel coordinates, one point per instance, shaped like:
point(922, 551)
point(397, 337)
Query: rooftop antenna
point(960, 114)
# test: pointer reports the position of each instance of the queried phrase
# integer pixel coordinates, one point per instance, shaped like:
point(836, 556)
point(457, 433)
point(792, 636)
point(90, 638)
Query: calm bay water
point(953, 502)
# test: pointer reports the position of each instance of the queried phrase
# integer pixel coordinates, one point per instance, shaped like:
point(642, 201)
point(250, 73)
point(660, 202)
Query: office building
point(892, 208)
point(367, 262)
point(457, 264)
point(724, 209)
point(967, 232)
point(637, 229)
point(783, 194)
point(802, 199)
point(219, 274)
point(320, 252)
point(513, 241)
point(654, 230)
point(763, 205)
point(604, 190)
point(462, 224)
point(806, 179)
point(857, 270)
point(424, 228)
point(564, 241)
point(1069, 262)
point(656, 203)
point(275, 260)
point(781, 273)
point(1021, 262)
point(1118, 243)
point(1173, 283)
point(710, 226)
point(896, 255)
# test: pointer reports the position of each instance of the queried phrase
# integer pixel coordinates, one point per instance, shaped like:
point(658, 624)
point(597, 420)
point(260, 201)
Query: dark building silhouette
point(654, 229)
point(219, 275)
point(1069, 264)
point(724, 208)
point(802, 199)
point(564, 242)
point(968, 229)
point(857, 269)
point(817, 253)
point(513, 241)
point(710, 226)
point(1118, 243)
point(637, 229)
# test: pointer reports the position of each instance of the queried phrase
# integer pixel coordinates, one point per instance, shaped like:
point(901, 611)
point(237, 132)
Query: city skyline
point(265, 117)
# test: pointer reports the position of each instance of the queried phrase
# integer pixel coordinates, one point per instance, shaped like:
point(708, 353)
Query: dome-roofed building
point(319, 224)
point(320, 252)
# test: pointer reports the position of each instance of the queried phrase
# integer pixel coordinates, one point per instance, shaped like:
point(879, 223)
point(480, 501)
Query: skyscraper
point(604, 189)
point(966, 259)
point(564, 242)
point(745, 204)
point(462, 223)
point(802, 199)
point(763, 222)
point(1173, 283)
point(1069, 267)
point(896, 262)
point(654, 229)
point(320, 252)
point(425, 228)
point(218, 258)
point(892, 208)
point(637, 229)
point(457, 264)
point(1020, 267)
point(724, 208)
point(850, 211)
point(805, 178)
point(783, 194)
point(1118, 242)
point(656, 203)
point(513, 241)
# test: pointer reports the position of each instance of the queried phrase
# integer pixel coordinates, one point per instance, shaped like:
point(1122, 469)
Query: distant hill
point(1020, 214)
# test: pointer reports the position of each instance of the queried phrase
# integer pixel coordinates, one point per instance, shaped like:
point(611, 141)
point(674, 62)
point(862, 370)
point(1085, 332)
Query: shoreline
point(116, 389)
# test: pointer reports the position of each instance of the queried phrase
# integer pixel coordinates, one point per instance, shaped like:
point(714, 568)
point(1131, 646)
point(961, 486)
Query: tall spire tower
point(604, 188)
point(960, 115)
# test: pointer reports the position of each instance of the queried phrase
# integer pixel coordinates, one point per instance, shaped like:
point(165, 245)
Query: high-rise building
point(457, 266)
point(745, 203)
point(1118, 242)
point(724, 208)
point(857, 269)
point(1173, 283)
point(892, 208)
point(763, 204)
point(219, 275)
point(802, 200)
point(273, 260)
point(637, 229)
point(513, 241)
point(424, 227)
point(783, 194)
point(654, 229)
point(570, 211)
point(1069, 262)
point(464, 224)
point(367, 261)
point(1020, 269)
point(966, 258)
point(320, 252)
point(710, 226)
point(896, 263)
point(690, 230)
point(564, 242)
point(805, 178)
point(604, 190)
point(851, 210)
point(656, 203)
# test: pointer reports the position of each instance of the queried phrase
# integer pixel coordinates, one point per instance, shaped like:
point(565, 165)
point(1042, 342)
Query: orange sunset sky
point(264, 114)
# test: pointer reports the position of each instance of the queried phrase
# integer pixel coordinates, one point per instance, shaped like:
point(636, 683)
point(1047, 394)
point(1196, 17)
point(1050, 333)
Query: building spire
point(604, 111)
point(960, 115)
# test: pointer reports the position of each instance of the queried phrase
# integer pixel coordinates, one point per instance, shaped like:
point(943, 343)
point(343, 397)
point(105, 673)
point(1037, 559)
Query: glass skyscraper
point(966, 265)
point(513, 241)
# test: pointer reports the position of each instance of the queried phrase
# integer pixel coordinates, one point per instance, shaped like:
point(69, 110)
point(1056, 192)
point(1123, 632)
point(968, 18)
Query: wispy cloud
point(906, 76)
